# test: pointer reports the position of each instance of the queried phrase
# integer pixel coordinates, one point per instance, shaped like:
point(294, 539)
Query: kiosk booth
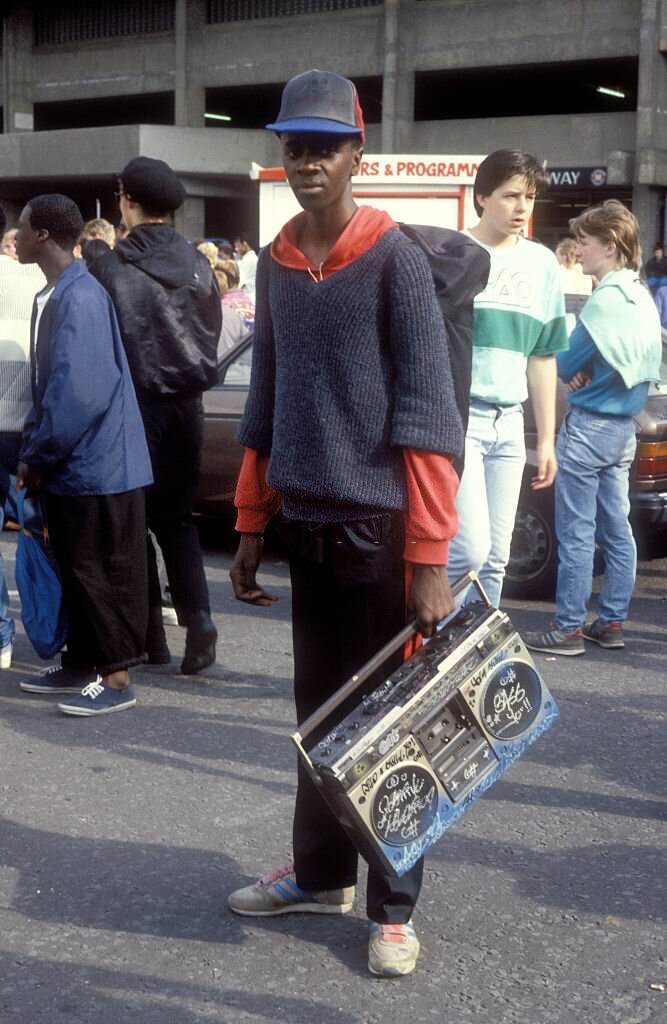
point(436, 190)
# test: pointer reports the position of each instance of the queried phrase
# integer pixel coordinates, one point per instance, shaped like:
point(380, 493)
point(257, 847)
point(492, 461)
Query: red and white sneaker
point(393, 949)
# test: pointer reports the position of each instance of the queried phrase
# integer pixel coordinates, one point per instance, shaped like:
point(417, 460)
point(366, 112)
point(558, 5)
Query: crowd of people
point(351, 434)
point(101, 420)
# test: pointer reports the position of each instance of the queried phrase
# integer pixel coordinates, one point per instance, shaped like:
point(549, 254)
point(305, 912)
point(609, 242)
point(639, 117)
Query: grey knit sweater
point(346, 372)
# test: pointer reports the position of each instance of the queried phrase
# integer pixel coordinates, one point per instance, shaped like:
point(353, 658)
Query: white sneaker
point(6, 656)
point(392, 949)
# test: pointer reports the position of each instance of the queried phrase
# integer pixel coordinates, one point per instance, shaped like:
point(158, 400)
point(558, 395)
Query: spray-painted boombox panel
point(415, 753)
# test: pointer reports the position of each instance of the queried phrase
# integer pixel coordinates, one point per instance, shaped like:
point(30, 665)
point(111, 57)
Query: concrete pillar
point(648, 206)
point(398, 94)
point(190, 94)
point(651, 146)
point(190, 219)
point(17, 71)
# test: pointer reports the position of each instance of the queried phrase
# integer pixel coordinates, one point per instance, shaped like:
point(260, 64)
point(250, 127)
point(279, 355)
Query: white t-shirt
point(520, 313)
point(40, 301)
point(247, 272)
point(18, 286)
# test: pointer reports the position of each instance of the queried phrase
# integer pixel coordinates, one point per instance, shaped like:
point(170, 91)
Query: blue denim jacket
point(85, 433)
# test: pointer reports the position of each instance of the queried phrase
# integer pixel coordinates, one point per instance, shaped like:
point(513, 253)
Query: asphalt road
point(120, 837)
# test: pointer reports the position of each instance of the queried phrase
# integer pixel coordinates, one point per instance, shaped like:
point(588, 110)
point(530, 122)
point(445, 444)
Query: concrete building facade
point(580, 83)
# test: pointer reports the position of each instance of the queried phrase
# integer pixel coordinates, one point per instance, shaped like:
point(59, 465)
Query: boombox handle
point(348, 688)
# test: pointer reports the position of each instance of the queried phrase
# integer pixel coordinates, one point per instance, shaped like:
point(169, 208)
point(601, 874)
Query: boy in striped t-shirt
point(519, 327)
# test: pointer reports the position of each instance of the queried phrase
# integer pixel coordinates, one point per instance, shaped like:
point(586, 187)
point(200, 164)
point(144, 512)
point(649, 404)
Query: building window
point(253, 106)
point(78, 22)
point(143, 108)
point(525, 90)
point(248, 10)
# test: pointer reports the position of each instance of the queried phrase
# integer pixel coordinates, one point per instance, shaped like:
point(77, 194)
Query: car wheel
point(533, 564)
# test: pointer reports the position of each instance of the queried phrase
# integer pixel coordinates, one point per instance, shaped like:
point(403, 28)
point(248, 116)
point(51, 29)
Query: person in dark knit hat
point(168, 306)
point(350, 429)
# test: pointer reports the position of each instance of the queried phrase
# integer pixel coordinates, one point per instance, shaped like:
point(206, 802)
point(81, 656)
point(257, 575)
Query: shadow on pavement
point(44, 991)
point(570, 878)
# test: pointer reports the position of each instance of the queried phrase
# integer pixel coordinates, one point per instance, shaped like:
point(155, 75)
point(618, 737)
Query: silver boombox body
point(402, 766)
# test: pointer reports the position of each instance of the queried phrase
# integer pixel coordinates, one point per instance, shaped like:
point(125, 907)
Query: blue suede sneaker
point(59, 679)
point(97, 699)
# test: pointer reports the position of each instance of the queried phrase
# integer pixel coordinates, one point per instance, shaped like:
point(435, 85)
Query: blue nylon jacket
point(85, 433)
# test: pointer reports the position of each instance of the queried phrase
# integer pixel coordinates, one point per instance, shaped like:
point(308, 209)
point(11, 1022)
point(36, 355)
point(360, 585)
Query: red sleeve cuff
point(256, 501)
point(431, 519)
point(426, 552)
point(250, 520)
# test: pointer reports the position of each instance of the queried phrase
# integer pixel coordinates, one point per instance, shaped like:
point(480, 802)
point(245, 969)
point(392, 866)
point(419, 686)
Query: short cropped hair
point(9, 238)
point(611, 221)
point(60, 216)
point(503, 164)
point(98, 227)
point(245, 236)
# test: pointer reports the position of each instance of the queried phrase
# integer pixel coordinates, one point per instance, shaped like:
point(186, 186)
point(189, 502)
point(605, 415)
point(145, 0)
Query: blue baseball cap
point(320, 102)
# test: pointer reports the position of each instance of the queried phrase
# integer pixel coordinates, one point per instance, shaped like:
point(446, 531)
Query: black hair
point(503, 164)
point(3, 221)
point(91, 248)
point(60, 216)
point(245, 236)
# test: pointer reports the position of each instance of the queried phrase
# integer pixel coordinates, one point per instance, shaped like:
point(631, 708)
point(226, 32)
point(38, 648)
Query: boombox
point(400, 764)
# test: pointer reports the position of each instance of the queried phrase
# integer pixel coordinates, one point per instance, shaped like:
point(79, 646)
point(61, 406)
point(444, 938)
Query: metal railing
point(248, 10)
point(78, 22)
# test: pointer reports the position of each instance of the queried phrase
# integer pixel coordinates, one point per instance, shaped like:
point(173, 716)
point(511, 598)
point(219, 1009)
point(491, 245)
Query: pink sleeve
point(257, 502)
point(431, 518)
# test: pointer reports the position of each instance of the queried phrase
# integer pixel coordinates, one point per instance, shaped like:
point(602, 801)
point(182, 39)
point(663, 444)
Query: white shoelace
point(93, 690)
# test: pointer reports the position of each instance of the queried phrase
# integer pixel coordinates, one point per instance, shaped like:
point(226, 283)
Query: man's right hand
point(244, 571)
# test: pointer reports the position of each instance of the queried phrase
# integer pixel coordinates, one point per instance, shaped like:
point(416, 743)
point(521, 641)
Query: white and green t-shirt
point(520, 313)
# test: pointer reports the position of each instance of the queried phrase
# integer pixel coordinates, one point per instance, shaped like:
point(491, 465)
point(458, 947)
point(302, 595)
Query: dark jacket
point(85, 433)
point(168, 307)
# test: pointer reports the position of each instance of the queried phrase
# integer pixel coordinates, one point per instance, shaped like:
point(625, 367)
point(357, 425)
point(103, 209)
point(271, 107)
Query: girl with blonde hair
point(615, 353)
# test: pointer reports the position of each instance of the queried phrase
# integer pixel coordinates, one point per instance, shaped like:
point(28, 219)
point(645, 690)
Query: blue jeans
point(9, 449)
point(489, 494)
point(594, 457)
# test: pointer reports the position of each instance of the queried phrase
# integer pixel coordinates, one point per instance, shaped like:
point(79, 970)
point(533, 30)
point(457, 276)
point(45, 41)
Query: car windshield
point(237, 372)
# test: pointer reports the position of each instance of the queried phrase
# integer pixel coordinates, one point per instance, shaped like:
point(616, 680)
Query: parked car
point(222, 454)
point(531, 571)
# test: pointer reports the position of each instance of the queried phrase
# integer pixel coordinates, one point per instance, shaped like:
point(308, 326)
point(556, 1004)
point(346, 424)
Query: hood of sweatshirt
point(162, 253)
point(362, 231)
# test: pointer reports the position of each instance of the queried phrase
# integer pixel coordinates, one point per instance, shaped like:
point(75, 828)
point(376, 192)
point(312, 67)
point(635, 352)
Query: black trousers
point(99, 542)
point(348, 600)
point(174, 431)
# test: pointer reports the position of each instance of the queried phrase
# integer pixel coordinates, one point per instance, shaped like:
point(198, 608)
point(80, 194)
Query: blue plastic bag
point(40, 590)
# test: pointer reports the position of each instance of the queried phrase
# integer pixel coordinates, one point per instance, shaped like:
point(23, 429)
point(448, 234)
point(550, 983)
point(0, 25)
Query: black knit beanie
point(152, 184)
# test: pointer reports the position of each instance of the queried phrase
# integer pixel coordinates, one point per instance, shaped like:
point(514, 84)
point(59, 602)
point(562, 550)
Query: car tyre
point(533, 565)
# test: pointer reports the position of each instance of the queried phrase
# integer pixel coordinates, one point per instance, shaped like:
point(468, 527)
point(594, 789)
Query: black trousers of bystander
point(174, 432)
point(99, 542)
point(348, 600)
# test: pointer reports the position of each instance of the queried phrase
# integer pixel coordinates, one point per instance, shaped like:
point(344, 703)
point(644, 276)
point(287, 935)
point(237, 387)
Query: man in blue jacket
point(84, 449)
